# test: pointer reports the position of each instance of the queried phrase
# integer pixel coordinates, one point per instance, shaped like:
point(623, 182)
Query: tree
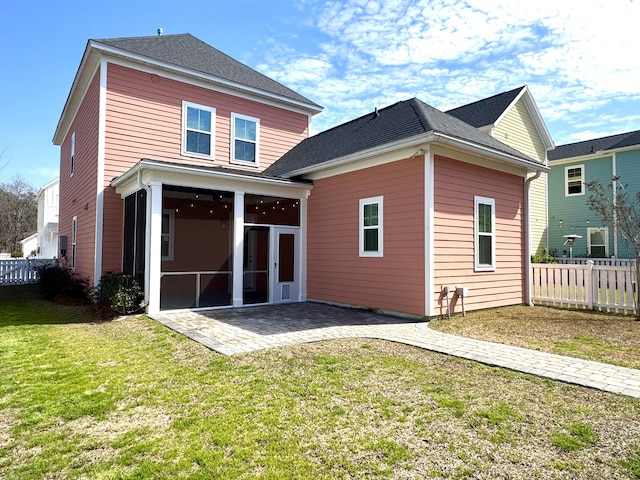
point(18, 213)
point(620, 210)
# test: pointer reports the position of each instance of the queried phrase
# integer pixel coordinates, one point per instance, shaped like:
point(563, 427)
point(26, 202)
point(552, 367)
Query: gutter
point(202, 172)
point(415, 141)
point(527, 239)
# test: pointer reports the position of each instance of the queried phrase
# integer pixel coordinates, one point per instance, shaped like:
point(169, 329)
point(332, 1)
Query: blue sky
point(579, 58)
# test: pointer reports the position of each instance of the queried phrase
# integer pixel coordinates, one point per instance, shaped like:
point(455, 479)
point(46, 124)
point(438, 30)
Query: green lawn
point(130, 399)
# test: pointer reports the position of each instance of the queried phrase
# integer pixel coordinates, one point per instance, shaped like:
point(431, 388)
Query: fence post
point(590, 284)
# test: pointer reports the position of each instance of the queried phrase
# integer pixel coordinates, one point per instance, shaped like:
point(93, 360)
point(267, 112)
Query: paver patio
point(241, 330)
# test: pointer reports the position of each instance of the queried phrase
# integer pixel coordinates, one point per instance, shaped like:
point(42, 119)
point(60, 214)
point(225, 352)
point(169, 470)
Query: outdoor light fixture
point(570, 239)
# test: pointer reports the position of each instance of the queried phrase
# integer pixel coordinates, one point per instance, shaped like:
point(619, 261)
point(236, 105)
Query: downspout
point(147, 233)
point(527, 237)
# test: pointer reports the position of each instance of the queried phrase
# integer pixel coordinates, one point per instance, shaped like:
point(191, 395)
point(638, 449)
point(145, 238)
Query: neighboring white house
point(29, 244)
point(47, 198)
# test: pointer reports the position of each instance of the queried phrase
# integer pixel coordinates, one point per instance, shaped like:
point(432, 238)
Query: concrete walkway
point(242, 330)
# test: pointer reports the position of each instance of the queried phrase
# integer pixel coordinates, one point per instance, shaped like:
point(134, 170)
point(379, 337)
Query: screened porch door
point(285, 248)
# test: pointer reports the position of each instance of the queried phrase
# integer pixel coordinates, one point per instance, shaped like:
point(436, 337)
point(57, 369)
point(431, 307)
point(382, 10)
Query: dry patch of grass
point(601, 337)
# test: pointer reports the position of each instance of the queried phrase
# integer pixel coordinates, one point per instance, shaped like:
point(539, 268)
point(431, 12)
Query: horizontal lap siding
point(144, 120)
point(78, 192)
point(336, 273)
point(456, 184)
point(518, 130)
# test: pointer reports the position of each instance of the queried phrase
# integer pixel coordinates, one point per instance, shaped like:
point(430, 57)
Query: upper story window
point(73, 154)
point(485, 234)
point(371, 233)
point(574, 180)
point(198, 132)
point(245, 132)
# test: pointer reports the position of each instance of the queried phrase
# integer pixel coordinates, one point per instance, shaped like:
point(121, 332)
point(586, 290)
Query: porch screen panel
point(286, 257)
point(135, 221)
point(201, 235)
point(265, 210)
point(256, 265)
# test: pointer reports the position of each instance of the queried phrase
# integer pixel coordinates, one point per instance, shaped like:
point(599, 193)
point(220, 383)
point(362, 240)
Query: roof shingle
point(396, 122)
point(486, 111)
point(187, 51)
point(587, 147)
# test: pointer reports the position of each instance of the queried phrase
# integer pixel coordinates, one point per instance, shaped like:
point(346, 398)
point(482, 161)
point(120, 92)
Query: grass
point(607, 338)
point(130, 399)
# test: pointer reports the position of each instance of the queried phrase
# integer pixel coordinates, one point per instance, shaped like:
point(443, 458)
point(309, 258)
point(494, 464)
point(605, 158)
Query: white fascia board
point(124, 183)
point(535, 115)
point(591, 156)
point(235, 87)
point(391, 152)
point(489, 152)
point(86, 71)
point(388, 149)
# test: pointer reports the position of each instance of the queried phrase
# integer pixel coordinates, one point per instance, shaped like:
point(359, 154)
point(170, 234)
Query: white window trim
point(566, 180)
point(476, 234)
point(380, 227)
point(72, 157)
point(233, 139)
point(605, 235)
point(74, 242)
point(184, 151)
point(171, 234)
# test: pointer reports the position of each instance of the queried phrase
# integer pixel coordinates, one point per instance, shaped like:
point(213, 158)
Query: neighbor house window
point(73, 154)
point(197, 130)
point(485, 234)
point(574, 180)
point(598, 242)
point(74, 239)
point(245, 132)
point(168, 229)
point(371, 233)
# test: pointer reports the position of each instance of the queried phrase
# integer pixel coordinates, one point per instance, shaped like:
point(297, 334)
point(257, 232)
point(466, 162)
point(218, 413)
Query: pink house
point(196, 174)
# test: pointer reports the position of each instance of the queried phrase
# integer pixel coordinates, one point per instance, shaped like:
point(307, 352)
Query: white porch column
point(302, 270)
point(154, 246)
point(238, 249)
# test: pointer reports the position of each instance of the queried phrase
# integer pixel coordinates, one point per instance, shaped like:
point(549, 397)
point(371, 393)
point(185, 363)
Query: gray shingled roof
point(486, 111)
point(397, 122)
point(186, 51)
point(588, 147)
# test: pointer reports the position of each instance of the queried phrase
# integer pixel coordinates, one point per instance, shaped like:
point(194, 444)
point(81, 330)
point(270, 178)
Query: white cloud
point(578, 57)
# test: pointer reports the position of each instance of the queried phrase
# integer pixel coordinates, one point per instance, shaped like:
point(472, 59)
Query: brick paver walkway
point(241, 330)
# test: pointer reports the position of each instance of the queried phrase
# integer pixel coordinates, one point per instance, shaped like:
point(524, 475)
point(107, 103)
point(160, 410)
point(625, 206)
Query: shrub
point(16, 254)
point(57, 281)
point(120, 292)
point(546, 257)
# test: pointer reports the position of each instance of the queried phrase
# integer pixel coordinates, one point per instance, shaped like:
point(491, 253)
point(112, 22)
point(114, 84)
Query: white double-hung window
point(245, 135)
point(485, 233)
point(371, 231)
point(574, 180)
point(198, 130)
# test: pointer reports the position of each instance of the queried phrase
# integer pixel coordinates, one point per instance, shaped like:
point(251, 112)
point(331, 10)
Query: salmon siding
point(456, 186)
point(144, 120)
point(78, 191)
point(336, 271)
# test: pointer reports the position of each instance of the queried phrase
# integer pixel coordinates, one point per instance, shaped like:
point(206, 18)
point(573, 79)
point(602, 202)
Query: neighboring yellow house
point(513, 118)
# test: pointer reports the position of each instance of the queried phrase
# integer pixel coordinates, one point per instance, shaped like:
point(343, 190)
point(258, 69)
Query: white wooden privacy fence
point(596, 287)
point(20, 271)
